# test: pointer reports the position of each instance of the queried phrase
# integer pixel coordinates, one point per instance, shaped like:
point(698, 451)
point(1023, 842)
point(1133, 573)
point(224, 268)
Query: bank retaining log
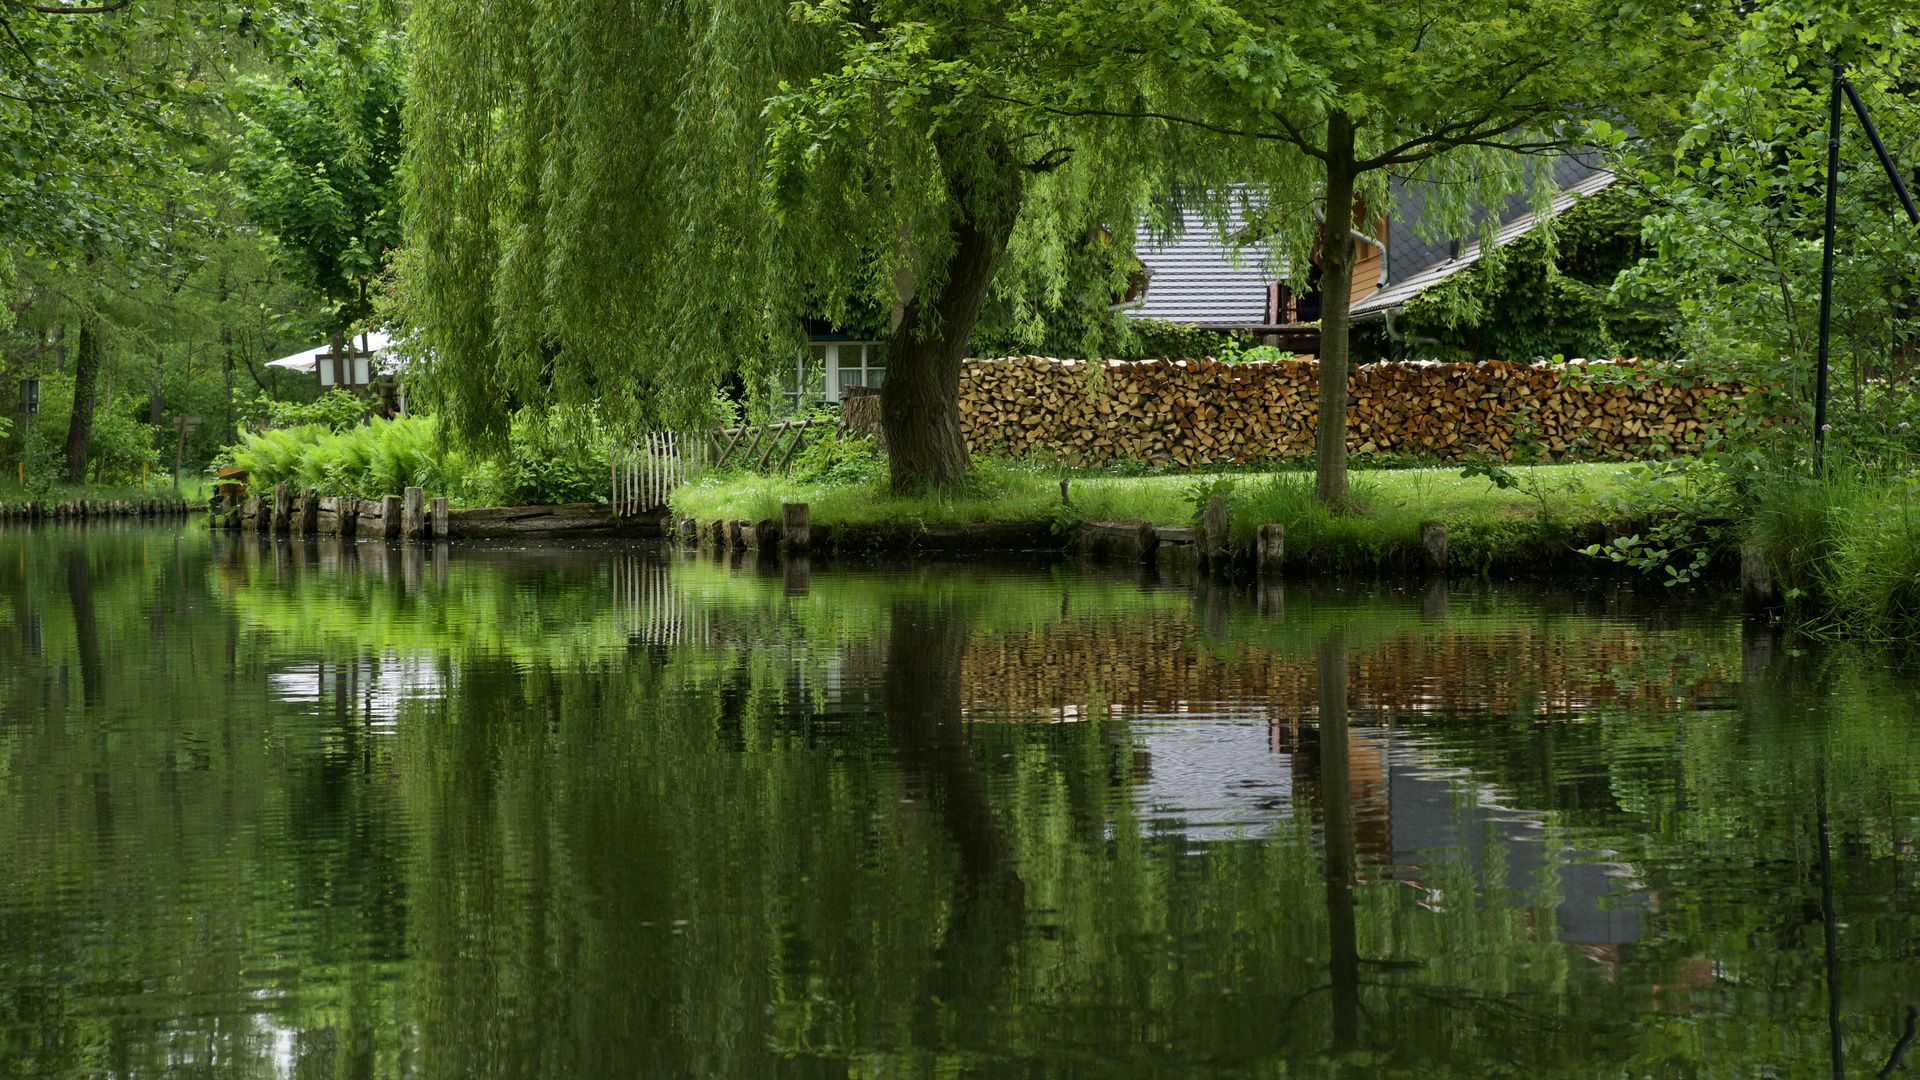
point(1197, 412)
point(85, 509)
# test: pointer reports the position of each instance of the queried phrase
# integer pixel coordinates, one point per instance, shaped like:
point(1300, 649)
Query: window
point(825, 368)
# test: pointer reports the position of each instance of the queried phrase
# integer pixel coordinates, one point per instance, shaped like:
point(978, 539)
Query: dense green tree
point(1320, 100)
point(319, 172)
point(1735, 207)
point(623, 207)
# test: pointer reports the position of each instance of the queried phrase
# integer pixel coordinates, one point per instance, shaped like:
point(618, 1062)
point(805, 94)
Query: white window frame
point(818, 368)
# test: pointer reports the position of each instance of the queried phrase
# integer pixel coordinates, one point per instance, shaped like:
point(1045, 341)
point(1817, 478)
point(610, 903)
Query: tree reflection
point(1336, 795)
point(932, 750)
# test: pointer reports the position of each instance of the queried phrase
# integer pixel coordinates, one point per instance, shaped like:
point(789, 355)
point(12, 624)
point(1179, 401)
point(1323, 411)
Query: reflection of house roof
point(1398, 293)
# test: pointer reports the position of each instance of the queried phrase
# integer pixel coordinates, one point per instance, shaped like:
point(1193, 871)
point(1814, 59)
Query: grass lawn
point(196, 490)
point(1391, 503)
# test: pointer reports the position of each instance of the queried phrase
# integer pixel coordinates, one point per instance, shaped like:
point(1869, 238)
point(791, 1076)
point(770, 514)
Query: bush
point(556, 461)
point(336, 410)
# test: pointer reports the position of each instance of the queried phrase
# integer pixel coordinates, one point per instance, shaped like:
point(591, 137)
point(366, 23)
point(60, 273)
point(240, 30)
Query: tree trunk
point(154, 399)
point(1336, 293)
point(86, 373)
point(920, 401)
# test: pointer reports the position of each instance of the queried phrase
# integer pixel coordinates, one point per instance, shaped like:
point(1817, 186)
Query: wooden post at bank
point(1272, 548)
point(389, 516)
point(1756, 577)
point(766, 534)
point(309, 512)
point(1433, 544)
point(346, 515)
point(437, 520)
point(413, 514)
point(1217, 551)
point(282, 509)
point(796, 534)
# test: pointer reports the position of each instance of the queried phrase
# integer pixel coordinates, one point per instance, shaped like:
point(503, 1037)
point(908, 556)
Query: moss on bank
point(1548, 509)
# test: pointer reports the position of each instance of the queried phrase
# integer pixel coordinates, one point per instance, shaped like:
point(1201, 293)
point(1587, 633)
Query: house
point(1197, 279)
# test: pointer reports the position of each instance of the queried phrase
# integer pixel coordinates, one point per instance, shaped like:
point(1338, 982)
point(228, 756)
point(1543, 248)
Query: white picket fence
point(646, 471)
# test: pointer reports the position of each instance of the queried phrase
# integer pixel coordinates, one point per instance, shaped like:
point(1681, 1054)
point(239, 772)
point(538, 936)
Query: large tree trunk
point(86, 374)
point(1336, 293)
point(920, 402)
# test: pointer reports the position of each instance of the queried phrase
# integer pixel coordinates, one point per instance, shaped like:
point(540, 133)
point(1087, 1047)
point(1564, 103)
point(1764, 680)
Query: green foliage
point(1735, 207)
point(840, 459)
point(549, 460)
point(336, 410)
point(1692, 508)
point(1159, 339)
point(1546, 293)
point(319, 170)
point(382, 457)
point(1200, 492)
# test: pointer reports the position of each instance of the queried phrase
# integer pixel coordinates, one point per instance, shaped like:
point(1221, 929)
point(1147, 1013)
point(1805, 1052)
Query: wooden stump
point(1272, 548)
point(413, 514)
point(796, 534)
point(1433, 544)
point(389, 517)
point(437, 517)
point(860, 415)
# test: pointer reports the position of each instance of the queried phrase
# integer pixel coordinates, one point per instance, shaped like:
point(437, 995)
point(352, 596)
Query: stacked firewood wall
point(1206, 412)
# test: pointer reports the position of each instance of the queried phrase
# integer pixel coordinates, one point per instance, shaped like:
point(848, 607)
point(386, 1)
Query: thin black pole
point(1826, 278)
point(1886, 159)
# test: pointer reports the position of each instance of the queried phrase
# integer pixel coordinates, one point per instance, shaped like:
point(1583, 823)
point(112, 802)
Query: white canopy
point(306, 359)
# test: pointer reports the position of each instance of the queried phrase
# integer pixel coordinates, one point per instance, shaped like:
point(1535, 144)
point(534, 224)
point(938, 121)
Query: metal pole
point(1886, 159)
point(1826, 278)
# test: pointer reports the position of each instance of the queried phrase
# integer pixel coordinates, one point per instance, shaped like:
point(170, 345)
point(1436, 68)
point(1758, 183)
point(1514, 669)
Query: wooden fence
point(646, 471)
point(766, 443)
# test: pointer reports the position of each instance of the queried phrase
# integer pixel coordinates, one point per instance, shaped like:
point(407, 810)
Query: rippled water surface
point(274, 809)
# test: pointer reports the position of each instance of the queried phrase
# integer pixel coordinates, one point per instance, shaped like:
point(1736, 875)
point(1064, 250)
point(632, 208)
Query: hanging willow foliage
point(625, 203)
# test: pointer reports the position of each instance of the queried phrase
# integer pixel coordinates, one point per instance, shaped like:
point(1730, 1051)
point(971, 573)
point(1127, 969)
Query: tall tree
point(1320, 100)
point(625, 219)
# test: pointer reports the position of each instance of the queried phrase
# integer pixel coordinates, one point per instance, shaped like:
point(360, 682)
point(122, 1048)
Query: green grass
point(1390, 503)
point(195, 489)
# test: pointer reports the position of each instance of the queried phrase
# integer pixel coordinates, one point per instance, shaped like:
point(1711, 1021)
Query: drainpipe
point(1394, 333)
point(1365, 239)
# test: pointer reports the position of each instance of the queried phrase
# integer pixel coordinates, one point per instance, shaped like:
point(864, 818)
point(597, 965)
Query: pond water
point(321, 810)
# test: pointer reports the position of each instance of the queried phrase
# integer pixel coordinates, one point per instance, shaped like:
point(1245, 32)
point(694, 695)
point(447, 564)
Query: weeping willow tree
point(625, 203)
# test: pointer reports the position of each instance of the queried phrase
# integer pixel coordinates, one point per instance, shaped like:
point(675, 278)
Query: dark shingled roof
point(1195, 278)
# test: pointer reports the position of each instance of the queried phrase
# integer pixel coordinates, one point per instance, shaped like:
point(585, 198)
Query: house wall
point(1203, 411)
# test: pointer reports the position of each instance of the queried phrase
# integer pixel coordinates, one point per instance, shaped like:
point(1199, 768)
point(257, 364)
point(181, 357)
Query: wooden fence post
point(309, 512)
point(796, 532)
point(389, 516)
point(413, 515)
point(1214, 520)
point(1272, 551)
point(438, 524)
point(1433, 544)
point(282, 508)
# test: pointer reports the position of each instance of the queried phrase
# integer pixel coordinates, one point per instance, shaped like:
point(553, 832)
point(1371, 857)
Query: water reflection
point(332, 808)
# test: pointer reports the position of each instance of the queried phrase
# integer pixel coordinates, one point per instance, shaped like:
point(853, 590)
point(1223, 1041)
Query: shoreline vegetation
point(1547, 513)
